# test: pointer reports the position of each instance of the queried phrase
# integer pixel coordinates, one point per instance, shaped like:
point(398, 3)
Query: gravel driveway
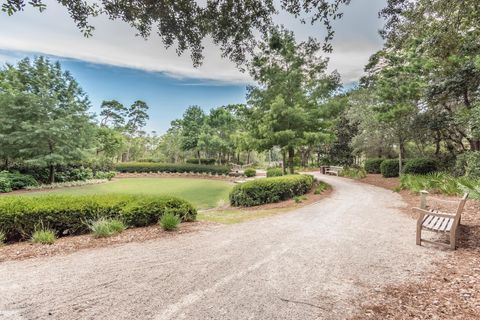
point(316, 262)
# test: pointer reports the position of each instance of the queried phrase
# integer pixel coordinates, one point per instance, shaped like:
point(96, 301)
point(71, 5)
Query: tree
point(137, 119)
point(191, 126)
point(293, 84)
point(231, 24)
point(50, 111)
point(109, 142)
point(114, 113)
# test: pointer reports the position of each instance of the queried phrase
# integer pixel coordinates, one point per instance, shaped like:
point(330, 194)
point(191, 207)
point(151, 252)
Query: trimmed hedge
point(250, 172)
point(68, 215)
point(274, 172)
point(390, 168)
point(270, 190)
point(420, 166)
point(208, 161)
point(132, 167)
point(373, 165)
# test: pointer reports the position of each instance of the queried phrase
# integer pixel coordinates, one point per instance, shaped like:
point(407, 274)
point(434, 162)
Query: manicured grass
point(233, 216)
point(202, 193)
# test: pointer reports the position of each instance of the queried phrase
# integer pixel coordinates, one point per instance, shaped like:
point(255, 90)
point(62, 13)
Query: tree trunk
point(401, 154)
point(284, 161)
point(291, 155)
point(51, 174)
point(198, 156)
point(248, 157)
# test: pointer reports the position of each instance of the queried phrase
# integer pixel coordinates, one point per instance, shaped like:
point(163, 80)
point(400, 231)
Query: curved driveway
point(316, 262)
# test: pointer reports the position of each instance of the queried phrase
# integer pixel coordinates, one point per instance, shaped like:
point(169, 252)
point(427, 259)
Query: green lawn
point(202, 193)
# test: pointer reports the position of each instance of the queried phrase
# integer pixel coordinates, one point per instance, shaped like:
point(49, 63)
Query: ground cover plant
point(440, 182)
point(354, 173)
point(139, 167)
point(202, 193)
point(321, 187)
point(69, 215)
point(169, 221)
point(43, 236)
point(270, 190)
point(104, 227)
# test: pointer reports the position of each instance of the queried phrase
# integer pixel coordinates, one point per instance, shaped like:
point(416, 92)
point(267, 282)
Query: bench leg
point(419, 234)
point(453, 239)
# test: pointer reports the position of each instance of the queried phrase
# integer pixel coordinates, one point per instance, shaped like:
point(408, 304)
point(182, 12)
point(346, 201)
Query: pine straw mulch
point(66, 245)
point(450, 291)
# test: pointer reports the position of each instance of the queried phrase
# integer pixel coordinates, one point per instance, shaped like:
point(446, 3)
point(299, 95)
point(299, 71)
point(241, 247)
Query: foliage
point(169, 221)
point(208, 161)
point(420, 166)
point(105, 175)
point(18, 180)
point(113, 113)
point(469, 164)
point(354, 173)
point(287, 109)
point(5, 185)
point(250, 172)
point(373, 165)
point(19, 215)
point(230, 24)
point(44, 236)
point(439, 182)
point(270, 190)
point(390, 168)
point(321, 187)
point(274, 172)
point(104, 227)
point(44, 115)
point(171, 168)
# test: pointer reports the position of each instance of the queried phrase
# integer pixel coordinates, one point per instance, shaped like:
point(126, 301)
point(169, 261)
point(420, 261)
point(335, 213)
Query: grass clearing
point(202, 193)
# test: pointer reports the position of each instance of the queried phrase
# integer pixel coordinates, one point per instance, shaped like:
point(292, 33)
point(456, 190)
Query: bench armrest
point(423, 212)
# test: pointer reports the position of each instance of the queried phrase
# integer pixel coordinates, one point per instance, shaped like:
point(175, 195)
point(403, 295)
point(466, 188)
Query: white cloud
point(114, 42)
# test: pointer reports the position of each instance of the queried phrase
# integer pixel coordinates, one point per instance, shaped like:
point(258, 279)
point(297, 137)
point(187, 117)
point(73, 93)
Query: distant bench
point(333, 170)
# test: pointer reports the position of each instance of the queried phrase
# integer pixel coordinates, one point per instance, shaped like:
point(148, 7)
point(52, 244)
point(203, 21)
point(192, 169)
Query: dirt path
point(315, 262)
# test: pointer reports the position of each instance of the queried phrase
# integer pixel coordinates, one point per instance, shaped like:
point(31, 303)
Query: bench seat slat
point(439, 224)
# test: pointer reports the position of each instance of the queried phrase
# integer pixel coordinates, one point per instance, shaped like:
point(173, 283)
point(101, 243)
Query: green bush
point(250, 172)
point(104, 227)
point(44, 236)
point(274, 172)
point(105, 175)
point(5, 185)
point(132, 167)
point(68, 214)
point(472, 164)
point(270, 190)
point(420, 166)
point(3, 238)
point(373, 165)
point(354, 173)
point(389, 168)
point(169, 221)
point(209, 161)
point(18, 180)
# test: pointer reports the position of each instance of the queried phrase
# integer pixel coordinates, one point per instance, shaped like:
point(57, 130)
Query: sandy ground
point(317, 262)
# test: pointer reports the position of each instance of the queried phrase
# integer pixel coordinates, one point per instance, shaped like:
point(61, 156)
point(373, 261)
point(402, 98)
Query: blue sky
point(115, 64)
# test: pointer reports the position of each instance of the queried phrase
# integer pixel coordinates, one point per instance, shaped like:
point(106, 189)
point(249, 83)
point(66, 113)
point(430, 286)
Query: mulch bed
point(450, 291)
point(66, 245)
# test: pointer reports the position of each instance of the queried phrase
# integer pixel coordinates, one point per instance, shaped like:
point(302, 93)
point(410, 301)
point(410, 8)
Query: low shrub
point(270, 190)
point(17, 180)
point(103, 227)
point(420, 166)
point(44, 236)
point(208, 161)
point(354, 173)
point(132, 167)
point(274, 172)
point(250, 172)
point(5, 185)
point(105, 175)
point(373, 165)
point(390, 168)
point(169, 221)
point(68, 214)
point(321, 187)
point(3, 238)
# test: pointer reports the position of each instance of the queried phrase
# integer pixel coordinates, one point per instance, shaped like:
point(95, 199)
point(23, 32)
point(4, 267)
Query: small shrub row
point(139, 167)
point(373, 165)
point(208, 161)
point(270, 190)
point(69, 215)
point(109, 175)
point(390, 167)
point(274, 172)
point(420, 166)
point(250, 172)
point(67, 184)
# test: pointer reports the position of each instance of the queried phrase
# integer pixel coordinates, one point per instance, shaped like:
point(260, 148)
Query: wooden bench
point(333, 170)
point(432, 219)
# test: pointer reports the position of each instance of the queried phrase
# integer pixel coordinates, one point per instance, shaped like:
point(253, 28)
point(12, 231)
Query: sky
point(116, 64)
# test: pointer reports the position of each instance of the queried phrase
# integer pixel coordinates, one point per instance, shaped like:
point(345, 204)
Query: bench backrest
point(334, 168)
